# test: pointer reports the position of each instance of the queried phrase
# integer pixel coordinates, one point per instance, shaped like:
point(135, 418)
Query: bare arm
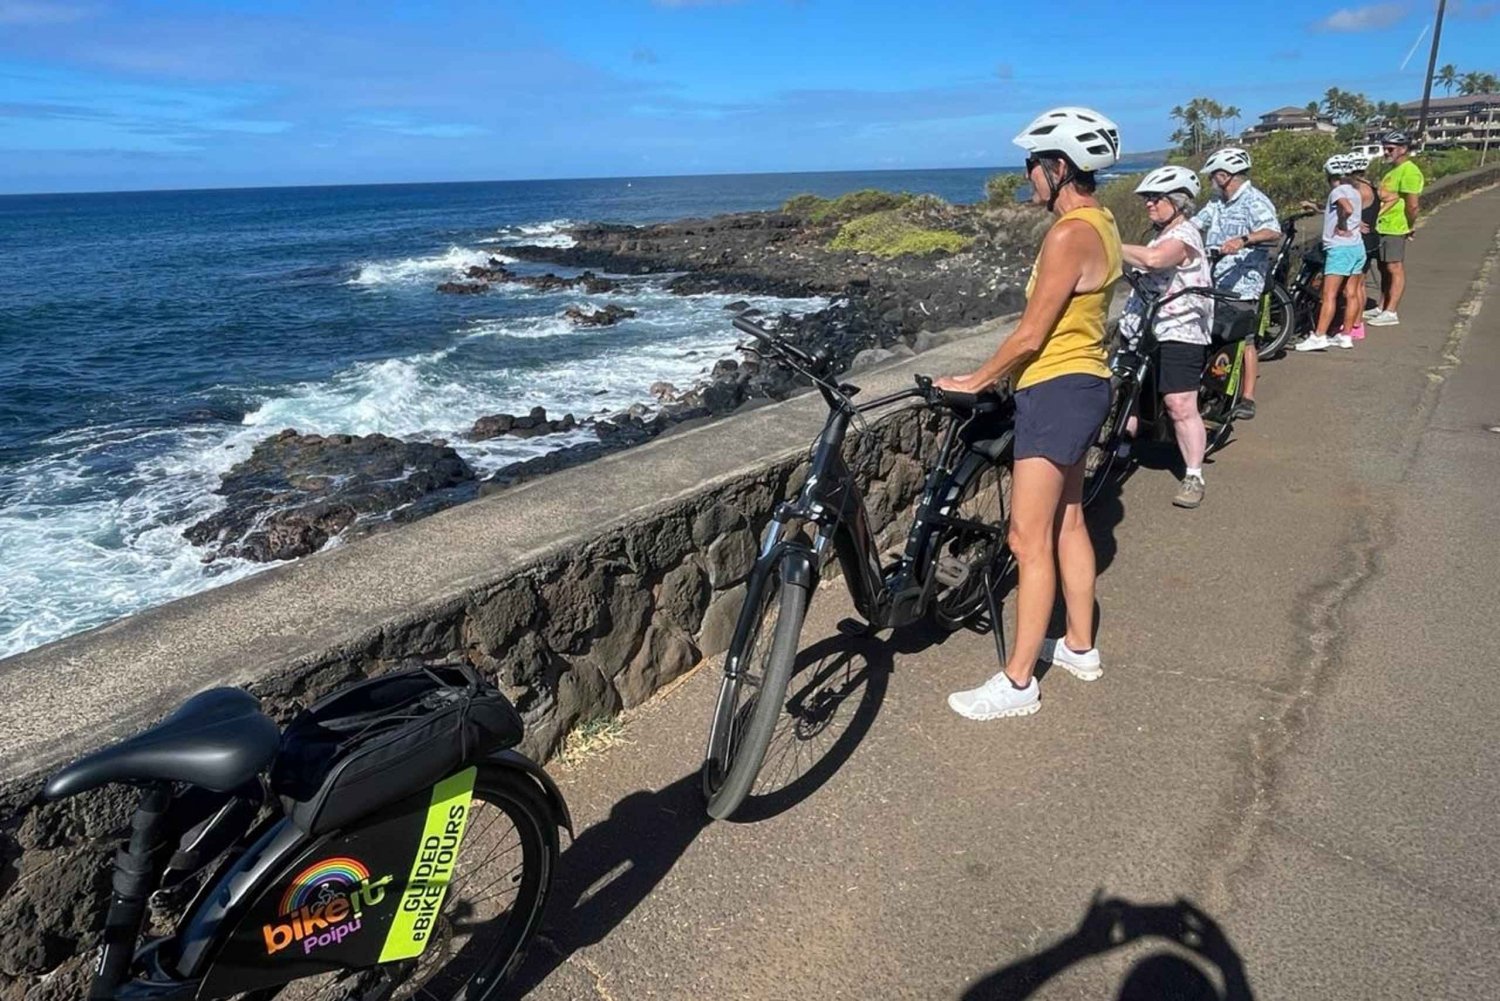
point(1345, 211)
point(1412, 205)
point(1059, 270)
point(1235, 244)
point(1166, 254)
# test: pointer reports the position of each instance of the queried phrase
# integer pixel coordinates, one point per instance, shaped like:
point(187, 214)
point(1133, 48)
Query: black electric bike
point(1133, 382)
point(389, 844)
point(1289, 305)
point(955, 554)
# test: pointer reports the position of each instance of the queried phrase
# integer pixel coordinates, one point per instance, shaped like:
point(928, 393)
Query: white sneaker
point(1314, 342)
point(996, 698)
point(1373, 311)
point(1342, 341)
point(1384, 318)
point(1084, 666)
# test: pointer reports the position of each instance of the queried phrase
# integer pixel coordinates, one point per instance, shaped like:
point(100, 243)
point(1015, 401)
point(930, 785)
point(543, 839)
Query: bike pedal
point(951, 572)
point(853, 627)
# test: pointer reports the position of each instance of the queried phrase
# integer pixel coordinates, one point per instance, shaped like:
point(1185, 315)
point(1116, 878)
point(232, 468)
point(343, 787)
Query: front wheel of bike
point(1278, 322)
point(490, 911)
point(761, 655)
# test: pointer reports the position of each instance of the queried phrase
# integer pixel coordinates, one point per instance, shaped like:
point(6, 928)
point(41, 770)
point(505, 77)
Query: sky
point(144, 94)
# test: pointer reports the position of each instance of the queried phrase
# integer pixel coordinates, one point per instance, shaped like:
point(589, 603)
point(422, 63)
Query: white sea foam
point(80, 551)
point(454, 262)
point(540, 234)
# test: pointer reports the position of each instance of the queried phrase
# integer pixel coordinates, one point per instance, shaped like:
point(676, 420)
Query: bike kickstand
point(997, 627)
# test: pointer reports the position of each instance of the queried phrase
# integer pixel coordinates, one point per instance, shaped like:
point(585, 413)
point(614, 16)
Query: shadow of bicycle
point(1197, 964)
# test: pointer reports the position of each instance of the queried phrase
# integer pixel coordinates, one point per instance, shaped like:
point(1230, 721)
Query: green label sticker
point(432, 869)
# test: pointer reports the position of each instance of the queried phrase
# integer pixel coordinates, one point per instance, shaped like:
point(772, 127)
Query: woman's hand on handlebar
point(973, 383)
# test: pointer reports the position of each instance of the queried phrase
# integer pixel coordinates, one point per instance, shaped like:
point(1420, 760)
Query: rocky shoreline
point(297, 491)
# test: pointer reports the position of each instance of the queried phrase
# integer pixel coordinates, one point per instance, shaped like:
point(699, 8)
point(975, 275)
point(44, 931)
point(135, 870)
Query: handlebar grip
point(759, 333)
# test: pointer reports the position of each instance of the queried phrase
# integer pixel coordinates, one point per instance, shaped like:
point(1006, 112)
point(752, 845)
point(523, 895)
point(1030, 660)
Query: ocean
point(148, 340)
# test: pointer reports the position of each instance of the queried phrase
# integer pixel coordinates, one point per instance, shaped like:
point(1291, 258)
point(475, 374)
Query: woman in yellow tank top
point(1057, 358)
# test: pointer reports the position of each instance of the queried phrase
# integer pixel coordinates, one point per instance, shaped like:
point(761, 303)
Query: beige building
point(1459, 121)
point(1288, 119)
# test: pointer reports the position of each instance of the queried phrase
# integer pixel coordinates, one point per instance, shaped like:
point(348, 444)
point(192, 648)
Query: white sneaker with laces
point(1384, 318)
point(1342, 341)
point(996, 698)
point(1314, 342)
point(1085, 666)
point(1373, 311)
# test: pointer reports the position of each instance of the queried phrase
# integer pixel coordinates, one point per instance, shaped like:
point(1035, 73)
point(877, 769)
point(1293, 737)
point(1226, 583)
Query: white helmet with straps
point(1165, 180)
point(1230, 158)
point(1088, 139)
point(1356, 162)
point(1336, 165)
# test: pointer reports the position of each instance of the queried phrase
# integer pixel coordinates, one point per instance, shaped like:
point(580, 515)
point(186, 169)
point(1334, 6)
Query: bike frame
point(830, 500)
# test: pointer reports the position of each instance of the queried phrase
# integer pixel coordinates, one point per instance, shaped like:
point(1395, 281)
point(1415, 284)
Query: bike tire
point(496, 946)
point(741, 731)
point(1216, 400)
point(982, 498)
point(1100, 459)
point(1277, 325)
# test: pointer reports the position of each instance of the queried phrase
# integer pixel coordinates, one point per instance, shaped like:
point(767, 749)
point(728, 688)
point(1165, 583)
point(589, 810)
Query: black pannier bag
point(382, 740)
point(1234, 321)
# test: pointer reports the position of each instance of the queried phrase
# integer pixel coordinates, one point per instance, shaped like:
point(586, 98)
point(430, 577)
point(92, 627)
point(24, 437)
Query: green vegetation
point(1473, 82)
point(890, 233)
point(1127, 207)
point(845, 207)
point(1001, 189)
point(1437, 163)
point(1201, 125)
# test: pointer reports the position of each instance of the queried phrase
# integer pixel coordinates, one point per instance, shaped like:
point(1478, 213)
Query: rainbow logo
point(333, 872)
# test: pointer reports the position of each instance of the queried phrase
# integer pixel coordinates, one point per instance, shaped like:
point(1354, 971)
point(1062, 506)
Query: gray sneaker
point(1190, 494)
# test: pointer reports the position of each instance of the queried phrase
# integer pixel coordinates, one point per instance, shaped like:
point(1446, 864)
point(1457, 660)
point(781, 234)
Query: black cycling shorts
point(1180, 366)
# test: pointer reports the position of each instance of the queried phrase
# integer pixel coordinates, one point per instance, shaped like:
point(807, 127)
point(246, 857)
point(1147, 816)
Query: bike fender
point(797, 568)
point(517, 761)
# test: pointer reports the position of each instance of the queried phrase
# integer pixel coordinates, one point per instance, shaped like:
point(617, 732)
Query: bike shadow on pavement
point(1194, 961)
point(610, 868)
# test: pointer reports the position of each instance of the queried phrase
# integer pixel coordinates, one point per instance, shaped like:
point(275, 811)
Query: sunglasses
point(1152, 199)
point(1032, 163)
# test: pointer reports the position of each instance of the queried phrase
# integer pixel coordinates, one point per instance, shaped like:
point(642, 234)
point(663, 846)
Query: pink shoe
point(1357, 332)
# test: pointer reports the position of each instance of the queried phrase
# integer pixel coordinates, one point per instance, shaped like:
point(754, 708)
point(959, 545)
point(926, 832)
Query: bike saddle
point(218, 739)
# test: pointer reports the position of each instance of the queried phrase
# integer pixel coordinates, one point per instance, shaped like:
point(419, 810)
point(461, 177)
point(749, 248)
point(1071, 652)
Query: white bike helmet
point(1356, 162)
point(1165, 180)
point(1230, 158)
point(1336, 165)
point(1088, 139)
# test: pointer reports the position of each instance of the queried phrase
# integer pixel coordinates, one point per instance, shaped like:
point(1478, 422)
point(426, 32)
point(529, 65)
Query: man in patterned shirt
point(1240, 223)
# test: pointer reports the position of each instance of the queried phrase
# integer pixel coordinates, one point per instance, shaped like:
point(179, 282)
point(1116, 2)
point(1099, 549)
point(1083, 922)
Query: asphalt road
point(1284, 785)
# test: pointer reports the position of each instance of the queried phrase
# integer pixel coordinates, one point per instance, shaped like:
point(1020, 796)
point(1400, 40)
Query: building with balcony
point(1459, 121)
point(1288, 119)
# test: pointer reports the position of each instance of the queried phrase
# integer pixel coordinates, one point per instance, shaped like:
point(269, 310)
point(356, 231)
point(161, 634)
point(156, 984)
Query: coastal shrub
point(1001, 189)
point(1437, 163)
point(803, 206)
point(1129, 211)
point(890, 234)
point(859, 203)
point(1289, 167)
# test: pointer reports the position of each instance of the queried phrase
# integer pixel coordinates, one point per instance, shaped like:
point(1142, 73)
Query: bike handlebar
point(775, 343)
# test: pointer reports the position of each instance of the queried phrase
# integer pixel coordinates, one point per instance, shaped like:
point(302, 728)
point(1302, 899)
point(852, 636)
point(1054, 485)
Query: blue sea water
point(148, 340)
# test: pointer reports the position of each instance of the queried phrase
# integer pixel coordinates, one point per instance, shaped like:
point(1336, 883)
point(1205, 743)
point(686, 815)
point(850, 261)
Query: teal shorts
point(1348, 260)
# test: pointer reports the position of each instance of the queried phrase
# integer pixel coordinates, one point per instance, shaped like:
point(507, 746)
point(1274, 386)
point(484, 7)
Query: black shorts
point(1060, 418)
point(1180, 366)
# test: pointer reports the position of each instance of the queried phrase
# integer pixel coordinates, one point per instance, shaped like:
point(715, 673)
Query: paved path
point(1294, 733)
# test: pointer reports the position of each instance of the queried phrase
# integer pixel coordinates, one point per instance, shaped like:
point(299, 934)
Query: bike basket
point(381, 740)
point(1233, 322)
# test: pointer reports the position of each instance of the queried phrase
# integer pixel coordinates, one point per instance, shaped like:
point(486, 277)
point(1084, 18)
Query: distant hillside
point(1131, 162)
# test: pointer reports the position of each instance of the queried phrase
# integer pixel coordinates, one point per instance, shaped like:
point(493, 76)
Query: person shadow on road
point(1166, 975)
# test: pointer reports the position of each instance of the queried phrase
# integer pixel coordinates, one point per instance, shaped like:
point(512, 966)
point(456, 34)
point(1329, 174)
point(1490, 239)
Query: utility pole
point(1437, 34)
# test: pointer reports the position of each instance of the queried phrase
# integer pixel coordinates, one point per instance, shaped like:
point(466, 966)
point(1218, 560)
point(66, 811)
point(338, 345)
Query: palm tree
point(1471, 83)
point(1489, 83)
point(1333, 102)
point(1447, 77)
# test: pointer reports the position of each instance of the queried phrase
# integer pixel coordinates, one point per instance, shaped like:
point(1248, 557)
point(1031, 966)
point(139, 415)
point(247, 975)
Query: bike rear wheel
point(1220, 391)
point(1101, 458)
point(963, 554)
point(1278, 322)
point(762, 652)
point(490, 911)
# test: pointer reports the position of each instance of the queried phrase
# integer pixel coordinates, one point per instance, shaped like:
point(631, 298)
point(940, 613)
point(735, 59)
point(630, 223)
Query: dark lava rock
point(606, 317)
point(463, 288)
point(529, 426)
point(297, 491)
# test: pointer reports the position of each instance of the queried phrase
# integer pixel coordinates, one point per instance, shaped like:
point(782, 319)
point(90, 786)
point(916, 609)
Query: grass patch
point(890, 234)
point(845, 207)
point(591, 738)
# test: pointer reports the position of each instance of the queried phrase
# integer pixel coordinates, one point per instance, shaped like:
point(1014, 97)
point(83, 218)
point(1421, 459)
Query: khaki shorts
point(1392, 249)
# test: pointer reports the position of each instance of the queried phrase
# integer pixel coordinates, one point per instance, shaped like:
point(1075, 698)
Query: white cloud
point(1368, 18)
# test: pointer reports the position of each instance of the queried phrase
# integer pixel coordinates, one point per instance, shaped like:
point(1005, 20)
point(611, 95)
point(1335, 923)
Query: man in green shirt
point(1400, 189)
